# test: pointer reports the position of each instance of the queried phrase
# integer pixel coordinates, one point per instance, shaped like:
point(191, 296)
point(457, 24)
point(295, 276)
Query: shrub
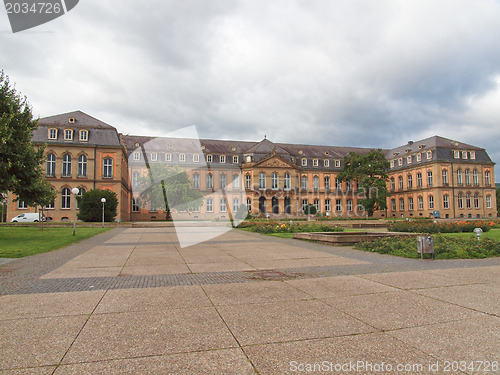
point(425, 226)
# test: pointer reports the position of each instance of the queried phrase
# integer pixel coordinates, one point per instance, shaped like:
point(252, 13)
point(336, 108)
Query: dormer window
point(196, 158)
point(326, 163)
point(168, 157)
point(68, 134)
point(464, 155)
point(182, 158)
point(235, 159)
point(209, 158)
point(315, 162)
point(337, 163)
point(400, 162)
point(429, 155)
point(84, 135)
point(137, 155)
point(408, 159)
point(473, 155)
point(392, 163)
point(456, 154)
point(304, 162)
point(222, 159)
point(249, 158)
point(154, 156)
point(419, 157)
point(52, 133)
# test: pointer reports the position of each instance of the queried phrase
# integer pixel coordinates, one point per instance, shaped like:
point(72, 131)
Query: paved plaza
point(131, 301)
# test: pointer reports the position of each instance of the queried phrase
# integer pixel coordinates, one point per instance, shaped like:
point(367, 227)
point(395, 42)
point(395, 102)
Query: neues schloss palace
point(433, 177)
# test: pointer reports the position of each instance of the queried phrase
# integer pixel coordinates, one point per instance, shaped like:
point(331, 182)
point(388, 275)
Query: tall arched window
point(468, 200)
point(475, 177)
point(303, 183)
point(419, 179)
point(210, 181)
point(82, 166)
point(400, 183)
point(66, 165)
point(444, 174)
point(467, 177)
point(236, 182)
point(248, 181)
point(274, 181)
point(393, 184)
point(51, 165)
point(196, 181)
point(262, 180)
point(476, 200)
point(431, 202)
point(287, 181)
point(66, 198)
point(410, 181)
point(316, 183)
point(487, 181)
point(222, 181)
point(459, 177)
point(460, 200)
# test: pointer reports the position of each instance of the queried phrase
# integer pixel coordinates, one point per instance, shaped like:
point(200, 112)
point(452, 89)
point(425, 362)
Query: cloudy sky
point(340, 72)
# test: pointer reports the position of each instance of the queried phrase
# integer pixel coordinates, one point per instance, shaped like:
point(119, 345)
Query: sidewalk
point(130, 301)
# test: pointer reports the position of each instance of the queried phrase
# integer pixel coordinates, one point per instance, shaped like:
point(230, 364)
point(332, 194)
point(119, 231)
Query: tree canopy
point(90, 205)
point(370, 171)
point(168, 187)
point(21, 169)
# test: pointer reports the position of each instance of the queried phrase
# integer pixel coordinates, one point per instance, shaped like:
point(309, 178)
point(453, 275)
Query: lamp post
point(103, 200)
point(75, 192)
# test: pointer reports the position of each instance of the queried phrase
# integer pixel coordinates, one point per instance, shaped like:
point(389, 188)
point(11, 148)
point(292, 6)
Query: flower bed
point(444, 247)
point(426, 226)
point(279, 227)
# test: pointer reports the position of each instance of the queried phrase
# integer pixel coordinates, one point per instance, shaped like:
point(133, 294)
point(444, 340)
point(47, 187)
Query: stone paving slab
point(148, 333)
point(306, 302)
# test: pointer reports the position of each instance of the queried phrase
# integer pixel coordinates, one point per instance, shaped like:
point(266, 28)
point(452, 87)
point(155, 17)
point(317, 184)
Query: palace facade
point(434, 177)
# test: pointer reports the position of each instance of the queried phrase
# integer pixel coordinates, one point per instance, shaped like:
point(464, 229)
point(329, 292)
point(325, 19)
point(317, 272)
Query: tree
point(370, 171)
point(498, 200)
point(310, 209)
point(21, 169)
point(90, 205)
point(168, 186)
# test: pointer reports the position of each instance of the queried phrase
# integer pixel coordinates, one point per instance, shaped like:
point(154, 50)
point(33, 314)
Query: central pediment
point(275, 162)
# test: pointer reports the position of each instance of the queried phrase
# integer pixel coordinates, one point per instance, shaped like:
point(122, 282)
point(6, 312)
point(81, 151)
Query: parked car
point(28, 218)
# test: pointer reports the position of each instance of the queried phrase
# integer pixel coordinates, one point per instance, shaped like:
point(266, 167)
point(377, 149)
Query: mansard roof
point(99, 133)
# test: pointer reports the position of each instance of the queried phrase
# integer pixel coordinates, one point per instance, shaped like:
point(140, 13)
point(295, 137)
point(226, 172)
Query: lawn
point(18, 242)
point(494, 234)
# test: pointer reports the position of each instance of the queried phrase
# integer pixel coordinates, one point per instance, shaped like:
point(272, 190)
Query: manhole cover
point(272, 275)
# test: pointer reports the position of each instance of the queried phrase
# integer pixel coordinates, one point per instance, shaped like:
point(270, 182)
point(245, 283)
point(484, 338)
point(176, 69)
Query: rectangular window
point(182, 158)
point(287, 181)
point(154, 156)
point(429, 178)
point(248, 181)
point(400, 162)
point(84, 135)
point(337, 163)
point(236, 205)
point(168, 157)
point(303, 183)
point(420, 203)
point(338, 205)
point(210, 181)
point(338, 184)
point(209, 158)
point(326, 163)
point(316, 204)
point(419, 157)
point(68, 134)
point(262, 180)
point(349, 205)
point(196, 158)
point(401, 204)
point(464, 155)
point(327, 182)
point(410, 204)
point(305, 202)
point(446, 202)
point(135, 179)
point(222, 159)
point(429, 155)
point(107, 168)
point(315, 162)
point(456, 154)
point(223, 205)
point(137, 155)
point(274, 181)
point(236, 182)
point(473, 155)
point(316, 183)
point(196, 181)
point(22, 205)
point(408, 160)
point(392, 163)
point(328, 206)
point(50, 206)
point(488, 201)
point(249, 204)
point(135, 206)
point(304, 162)
point(52, 133)
point(222, 181)
point(235, 159)
point(210, 205)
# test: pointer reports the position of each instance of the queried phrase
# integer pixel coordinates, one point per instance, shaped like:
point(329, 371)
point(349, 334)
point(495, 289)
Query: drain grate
point(273, 275)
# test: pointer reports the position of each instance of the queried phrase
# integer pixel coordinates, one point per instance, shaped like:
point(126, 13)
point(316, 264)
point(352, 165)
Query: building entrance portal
point(262, 205)
point(276, 205)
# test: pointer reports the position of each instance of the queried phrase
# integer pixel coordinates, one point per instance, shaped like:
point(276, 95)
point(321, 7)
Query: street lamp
point(103, 200)
point(75, 192)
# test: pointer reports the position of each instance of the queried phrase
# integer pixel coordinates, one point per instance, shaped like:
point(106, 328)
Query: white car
point(27, 218)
